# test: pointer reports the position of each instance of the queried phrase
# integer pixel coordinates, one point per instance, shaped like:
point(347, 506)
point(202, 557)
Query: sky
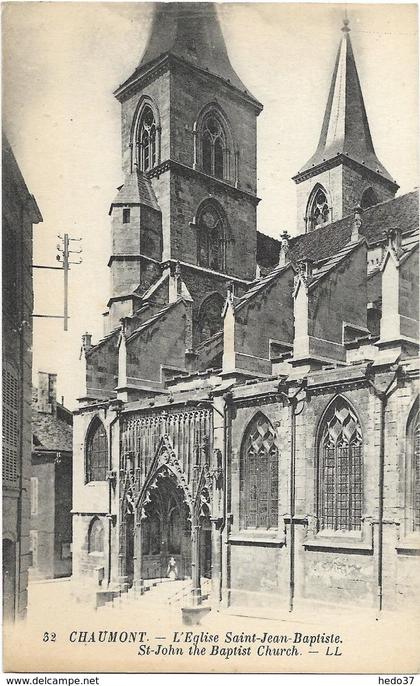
point(63, 60)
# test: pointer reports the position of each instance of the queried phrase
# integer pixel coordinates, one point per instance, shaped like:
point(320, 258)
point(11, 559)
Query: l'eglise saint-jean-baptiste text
point(229, 644)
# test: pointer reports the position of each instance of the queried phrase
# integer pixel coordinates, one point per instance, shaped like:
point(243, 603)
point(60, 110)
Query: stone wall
point(339, 567)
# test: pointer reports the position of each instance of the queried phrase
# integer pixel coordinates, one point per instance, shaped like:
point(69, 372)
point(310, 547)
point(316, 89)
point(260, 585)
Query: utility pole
point(64, 258)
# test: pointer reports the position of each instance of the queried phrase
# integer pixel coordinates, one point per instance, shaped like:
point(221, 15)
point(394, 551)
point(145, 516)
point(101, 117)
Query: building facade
point(51, 482)
point(20, 212)
point(252, 409)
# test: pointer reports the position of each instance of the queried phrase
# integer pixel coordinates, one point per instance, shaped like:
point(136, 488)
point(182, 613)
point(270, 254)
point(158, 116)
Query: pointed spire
point(189, 31)
point(345, 129)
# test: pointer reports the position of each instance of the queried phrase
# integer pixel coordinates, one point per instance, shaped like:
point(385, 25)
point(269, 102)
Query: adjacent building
point(252, 409)
point(51, 482)
point(20, 213)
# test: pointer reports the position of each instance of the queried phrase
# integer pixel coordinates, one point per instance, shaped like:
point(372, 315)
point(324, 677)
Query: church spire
point(344, 171)
point(188, 31)
point(345, 129)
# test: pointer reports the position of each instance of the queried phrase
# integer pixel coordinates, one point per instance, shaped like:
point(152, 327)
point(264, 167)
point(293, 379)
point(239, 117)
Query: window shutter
point(10, 426)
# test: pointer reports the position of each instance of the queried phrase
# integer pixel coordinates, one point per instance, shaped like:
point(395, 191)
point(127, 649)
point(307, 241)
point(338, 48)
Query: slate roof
point(345, 128)
point(191, 32)
point(50, 432)
point(137, 189)
point(401, 212)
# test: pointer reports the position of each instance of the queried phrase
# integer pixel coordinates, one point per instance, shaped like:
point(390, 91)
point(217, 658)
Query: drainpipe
point(293, 402)
point(110, 484)
point(227, 411)
point(383, 397)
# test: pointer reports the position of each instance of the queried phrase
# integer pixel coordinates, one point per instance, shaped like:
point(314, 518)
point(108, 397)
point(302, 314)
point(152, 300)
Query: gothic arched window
point(214, 146)
point(96, 452)
point(210, 316)
point(96, 536)
point(318, 212)
point(413, 470)
point(259, 476)
point(368, 199)
point(340, 489)
point(147, 140)
point(211, 237)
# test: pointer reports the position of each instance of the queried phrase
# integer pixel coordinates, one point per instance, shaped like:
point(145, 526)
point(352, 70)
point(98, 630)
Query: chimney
point(394, 237)
point(47, 393)
point(175, 283)
point(305, 267)
point(284, 249)
point(230, 291)
point(86, 342)
point(357, 223)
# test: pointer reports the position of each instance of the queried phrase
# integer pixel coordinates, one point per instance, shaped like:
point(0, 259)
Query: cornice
point(149, 72)
point(340, 158)
point(169, 165)
point(130, 257)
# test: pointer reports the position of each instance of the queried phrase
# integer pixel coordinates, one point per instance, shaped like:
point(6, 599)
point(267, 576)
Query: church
point(251, 412)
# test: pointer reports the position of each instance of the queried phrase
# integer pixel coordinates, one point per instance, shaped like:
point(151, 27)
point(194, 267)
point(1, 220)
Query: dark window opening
point(368, 198)
point(319, 212)
point(214, 148)
point(96, 453)
point(126, 216)
point(211, 238)
point(147, 140)
point(210, 316)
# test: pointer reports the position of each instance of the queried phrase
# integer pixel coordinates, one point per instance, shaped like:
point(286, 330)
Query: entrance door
point(166, 532)
point(9, 580)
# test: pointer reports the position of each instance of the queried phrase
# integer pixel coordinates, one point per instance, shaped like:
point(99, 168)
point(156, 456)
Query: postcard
point(210, 338)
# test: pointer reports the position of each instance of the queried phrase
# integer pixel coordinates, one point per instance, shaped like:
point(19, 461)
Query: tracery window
point(259, 476)
point(211, 237)
point(147, 140)
point(340, 469)
point(210, 316)
point(318, 211)
point(96, 536)
point(413, 470)
point(213, 146)
point(96, 452)
point(416, 475)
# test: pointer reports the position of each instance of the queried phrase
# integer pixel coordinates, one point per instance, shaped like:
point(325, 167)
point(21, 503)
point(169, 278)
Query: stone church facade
point(252, 409)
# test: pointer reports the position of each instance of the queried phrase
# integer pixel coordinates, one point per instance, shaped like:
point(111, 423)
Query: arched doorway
point(165, 531)
point(9, 580)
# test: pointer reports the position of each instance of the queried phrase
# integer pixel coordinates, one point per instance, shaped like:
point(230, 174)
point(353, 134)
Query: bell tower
point(188, 159)
point(344, 171)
